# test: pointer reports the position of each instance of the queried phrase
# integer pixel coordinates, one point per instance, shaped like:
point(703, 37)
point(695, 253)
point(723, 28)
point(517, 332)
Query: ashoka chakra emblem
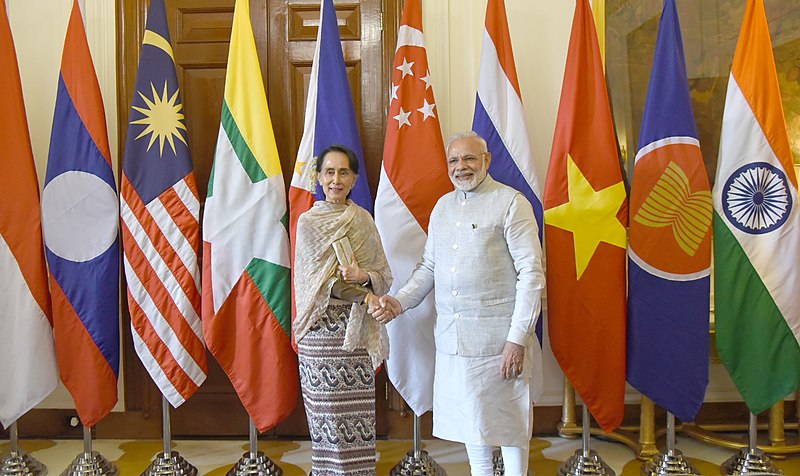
point(756, 198)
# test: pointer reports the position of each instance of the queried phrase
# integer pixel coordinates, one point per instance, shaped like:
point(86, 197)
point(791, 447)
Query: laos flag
point(80, 219)
point(669, 255)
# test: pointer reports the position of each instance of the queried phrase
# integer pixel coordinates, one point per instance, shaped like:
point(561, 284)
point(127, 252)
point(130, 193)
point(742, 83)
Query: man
point(484, 257)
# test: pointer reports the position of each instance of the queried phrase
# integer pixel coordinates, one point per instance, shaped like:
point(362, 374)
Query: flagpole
point(417, 462)
point(90, 462)
point(254, 461)
point(168, 462)
point(585, 461)
point(670, 461)
point(18, 462)
point(750, 460)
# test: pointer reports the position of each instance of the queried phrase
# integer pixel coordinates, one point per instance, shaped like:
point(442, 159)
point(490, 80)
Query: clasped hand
point(384, 308)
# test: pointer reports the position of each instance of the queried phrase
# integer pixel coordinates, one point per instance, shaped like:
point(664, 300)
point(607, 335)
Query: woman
point(339, 345)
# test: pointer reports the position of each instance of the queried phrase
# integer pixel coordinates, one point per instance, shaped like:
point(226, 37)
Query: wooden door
point(285, 33)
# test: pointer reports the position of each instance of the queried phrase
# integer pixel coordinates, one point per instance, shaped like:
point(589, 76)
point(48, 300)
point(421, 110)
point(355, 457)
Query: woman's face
point(336, 177)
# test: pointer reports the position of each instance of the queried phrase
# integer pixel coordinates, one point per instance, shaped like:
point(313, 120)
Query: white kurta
point(484, 255)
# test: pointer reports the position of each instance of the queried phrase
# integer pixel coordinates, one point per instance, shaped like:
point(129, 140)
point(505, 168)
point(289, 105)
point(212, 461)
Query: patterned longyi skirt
point(339, 395)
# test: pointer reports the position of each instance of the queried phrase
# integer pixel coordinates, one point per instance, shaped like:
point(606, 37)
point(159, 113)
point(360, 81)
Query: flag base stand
point(671, 461)
point(417, 462)
point(422, 465)
point(498, 467)
point(585, 461)
point(580, 464)
point(91, 464)
point(751, 460)
point(255, 464)
point(20, 463)
point(168, 462)
point(171, 464)
point(748, 461)
point(668, 463)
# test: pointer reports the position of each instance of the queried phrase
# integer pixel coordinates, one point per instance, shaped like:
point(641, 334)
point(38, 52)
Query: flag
point(159, 205)
point(669, 256)
point(413, 177)
point(330, 119)
point(27, 353)
point(585, 215)
point(756, 227)
point(246, 274)
point(80, 220)
point(500, 119)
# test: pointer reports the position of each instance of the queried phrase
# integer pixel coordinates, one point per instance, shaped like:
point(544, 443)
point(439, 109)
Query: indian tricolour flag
point(246, 276)
point(757, 227)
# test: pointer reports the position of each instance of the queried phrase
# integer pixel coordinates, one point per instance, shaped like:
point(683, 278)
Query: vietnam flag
point(585, 214)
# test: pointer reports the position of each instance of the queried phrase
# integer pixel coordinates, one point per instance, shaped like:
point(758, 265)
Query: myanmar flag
point(756, 227)
point(585, 215)
point(246, 275)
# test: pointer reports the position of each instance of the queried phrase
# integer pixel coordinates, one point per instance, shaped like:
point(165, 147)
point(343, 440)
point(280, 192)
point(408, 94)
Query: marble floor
point(215, 458)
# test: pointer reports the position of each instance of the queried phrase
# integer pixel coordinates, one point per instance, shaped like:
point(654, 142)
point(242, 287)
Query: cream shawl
point(315, 272)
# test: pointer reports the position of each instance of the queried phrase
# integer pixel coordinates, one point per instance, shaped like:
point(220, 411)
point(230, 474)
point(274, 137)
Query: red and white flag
point(27, 354)
point(413, 177)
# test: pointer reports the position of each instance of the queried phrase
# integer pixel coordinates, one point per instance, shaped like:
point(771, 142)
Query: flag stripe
point(163, 346)
point(154, 369)
point(78, 73)
point(242, 150)
point(496, 34)
point(772, 348)
point(161, 310)
point(95, 390)
point(273, 282)
point(172, 286)
point(744, 141)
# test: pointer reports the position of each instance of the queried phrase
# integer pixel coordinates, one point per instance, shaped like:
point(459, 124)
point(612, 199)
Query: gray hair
point(466, 135)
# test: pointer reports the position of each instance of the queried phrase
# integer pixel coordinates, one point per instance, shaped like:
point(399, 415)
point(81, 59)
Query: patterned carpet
point(215, 458)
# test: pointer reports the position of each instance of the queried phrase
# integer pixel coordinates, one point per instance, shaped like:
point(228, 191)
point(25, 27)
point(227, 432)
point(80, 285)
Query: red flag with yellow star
point(585, 214)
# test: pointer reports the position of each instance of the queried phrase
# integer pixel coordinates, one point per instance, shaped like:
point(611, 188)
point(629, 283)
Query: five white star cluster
point(403, 118)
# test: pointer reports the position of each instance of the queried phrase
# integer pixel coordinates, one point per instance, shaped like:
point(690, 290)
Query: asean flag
point(80, 219)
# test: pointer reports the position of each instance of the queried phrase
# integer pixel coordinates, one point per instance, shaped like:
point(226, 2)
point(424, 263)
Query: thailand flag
point(80, 218)
point(500, 119)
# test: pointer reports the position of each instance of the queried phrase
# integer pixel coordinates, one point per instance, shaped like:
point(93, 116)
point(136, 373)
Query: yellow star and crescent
point(591, 215)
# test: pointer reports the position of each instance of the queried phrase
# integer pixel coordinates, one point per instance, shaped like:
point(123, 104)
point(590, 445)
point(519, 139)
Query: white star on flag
point(427, 79)
point(402, 118)
point(406, 68)
point(426, 110)
point(395, 87)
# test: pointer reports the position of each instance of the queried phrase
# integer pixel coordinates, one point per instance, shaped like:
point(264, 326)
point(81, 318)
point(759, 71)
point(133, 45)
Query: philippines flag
point(669, 252)
point(80, 216)
point(500, 119)
point(330, 119)
point(159, 205)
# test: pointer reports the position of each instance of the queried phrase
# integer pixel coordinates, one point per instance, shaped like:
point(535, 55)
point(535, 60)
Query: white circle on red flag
point(80, 216)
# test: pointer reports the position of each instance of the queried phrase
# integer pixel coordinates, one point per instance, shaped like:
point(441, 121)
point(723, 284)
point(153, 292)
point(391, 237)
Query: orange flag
point(585, 214)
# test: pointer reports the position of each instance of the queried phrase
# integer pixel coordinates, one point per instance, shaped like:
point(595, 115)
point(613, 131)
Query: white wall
point(39, 28)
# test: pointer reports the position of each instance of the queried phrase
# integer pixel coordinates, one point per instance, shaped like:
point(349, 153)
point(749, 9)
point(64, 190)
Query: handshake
point(384, 308)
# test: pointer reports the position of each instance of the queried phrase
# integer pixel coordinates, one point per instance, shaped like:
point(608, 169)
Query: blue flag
point(330, 115)
point(670, 240)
